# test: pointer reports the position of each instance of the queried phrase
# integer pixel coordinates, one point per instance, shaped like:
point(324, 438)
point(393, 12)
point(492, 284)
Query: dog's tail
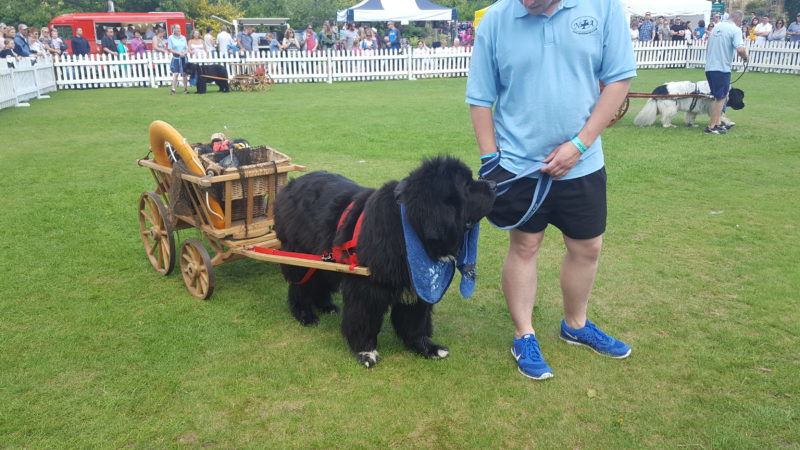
point(647, 116)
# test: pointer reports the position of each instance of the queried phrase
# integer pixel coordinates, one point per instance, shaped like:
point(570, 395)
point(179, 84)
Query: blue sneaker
point(529, 358)
point(593, 337)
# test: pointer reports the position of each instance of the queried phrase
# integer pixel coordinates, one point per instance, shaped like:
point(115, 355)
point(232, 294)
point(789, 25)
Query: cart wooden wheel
point(156, 231)
point(623, 108)
point(197, 270)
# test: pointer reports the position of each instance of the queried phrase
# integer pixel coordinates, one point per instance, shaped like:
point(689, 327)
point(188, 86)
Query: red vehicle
point(95, 24)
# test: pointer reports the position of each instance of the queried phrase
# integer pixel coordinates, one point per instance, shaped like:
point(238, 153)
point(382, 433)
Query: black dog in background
point(442, 201)
point(218, 71)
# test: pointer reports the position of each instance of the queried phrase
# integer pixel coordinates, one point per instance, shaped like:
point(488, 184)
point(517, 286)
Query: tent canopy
point(402, 11)
point(687, 9)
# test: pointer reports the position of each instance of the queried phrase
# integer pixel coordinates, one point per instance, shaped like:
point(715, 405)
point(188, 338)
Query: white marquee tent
point(402, 11)
point(687, 9)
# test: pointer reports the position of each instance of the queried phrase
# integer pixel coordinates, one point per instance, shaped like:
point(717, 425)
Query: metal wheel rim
point(156, 233)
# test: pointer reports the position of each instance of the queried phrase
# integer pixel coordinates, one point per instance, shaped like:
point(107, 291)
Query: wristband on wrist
point(580, 145)
point(490, 155)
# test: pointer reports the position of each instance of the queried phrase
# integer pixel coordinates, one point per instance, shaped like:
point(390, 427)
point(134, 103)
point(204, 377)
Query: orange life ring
point(162, 133)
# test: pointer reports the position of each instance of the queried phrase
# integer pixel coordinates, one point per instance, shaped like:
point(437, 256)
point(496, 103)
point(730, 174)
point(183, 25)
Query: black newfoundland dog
point(441, 200)
point(204, 72)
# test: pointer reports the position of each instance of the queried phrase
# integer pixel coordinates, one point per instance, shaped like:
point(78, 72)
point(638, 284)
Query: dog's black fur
point(214, 70)
point(442, 200)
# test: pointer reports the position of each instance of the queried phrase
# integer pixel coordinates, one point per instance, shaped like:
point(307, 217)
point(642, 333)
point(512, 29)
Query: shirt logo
point(584, 25)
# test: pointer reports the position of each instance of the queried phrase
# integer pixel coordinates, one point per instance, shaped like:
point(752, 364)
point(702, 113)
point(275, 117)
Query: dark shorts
point(577, 207)
point(719, 82)
point(178, 65)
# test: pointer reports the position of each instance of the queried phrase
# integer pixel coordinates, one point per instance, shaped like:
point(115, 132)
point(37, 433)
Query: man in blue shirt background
point(539, 64)
point(394, 37)
point(80, 46)
point(21, 46)
point(647, 30)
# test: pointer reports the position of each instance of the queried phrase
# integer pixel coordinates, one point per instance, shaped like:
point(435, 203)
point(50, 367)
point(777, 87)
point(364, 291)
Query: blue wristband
point(581, 146)
point(490, 155)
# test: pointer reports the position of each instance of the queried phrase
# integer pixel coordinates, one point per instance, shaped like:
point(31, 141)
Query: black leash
point(743, 71)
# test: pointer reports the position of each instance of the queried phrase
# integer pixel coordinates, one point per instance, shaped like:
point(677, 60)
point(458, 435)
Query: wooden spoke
point(196, 269)
point(156, 233)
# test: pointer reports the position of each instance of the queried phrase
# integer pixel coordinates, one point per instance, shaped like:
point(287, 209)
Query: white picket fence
point(30, 78)
point(152, 69)
point(775, 56)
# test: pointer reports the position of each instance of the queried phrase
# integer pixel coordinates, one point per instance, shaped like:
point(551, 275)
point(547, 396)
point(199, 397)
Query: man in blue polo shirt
point(539, 63)
point(723, 43)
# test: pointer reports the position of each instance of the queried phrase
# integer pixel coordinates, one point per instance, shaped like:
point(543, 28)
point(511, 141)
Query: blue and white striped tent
point(402, 11)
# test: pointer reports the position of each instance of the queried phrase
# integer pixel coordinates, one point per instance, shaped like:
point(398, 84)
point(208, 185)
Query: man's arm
point(483, 125)
point(565, 156)
point(742, 52)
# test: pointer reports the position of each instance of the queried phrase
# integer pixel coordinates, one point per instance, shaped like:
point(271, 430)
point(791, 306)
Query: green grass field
point(699, 274)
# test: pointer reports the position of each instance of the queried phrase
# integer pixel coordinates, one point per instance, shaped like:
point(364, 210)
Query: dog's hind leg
point(364, 307)
point(690, 118)
point(412, 323)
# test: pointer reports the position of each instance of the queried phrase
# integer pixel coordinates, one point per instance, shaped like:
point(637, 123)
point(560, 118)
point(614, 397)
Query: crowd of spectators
point(757, 30)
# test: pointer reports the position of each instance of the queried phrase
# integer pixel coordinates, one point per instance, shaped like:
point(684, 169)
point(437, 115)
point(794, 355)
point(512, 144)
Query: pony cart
point(231, 207)
point(250, 77)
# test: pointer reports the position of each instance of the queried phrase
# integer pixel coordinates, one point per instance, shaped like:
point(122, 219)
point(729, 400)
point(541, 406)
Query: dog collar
point(431, 278)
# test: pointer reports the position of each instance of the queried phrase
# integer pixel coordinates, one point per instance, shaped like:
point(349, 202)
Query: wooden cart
point(233, 210)
point(250, 77)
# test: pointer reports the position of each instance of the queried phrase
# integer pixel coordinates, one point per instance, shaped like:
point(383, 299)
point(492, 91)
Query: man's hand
point(561, 160)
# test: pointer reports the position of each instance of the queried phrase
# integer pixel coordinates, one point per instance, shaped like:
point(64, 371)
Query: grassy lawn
point(699, 274)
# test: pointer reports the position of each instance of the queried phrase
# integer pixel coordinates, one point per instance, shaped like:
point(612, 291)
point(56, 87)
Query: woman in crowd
point(327, 39)
point(634, 30)
point(138, 47)
point(751, 30)
point(35, 44)
point(700, 31)
point(197, 46)
point(778, 32)
point(309, 39)
point(160, 43)
point(709, 29)
point(368, 44)
point(290, 43)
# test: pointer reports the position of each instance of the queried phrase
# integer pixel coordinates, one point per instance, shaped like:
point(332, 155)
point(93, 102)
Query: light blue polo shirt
point(542, 75)
point(177, 44)
point(723, 41)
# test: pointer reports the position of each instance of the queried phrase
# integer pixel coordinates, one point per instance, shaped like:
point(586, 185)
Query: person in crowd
point(517, 123)
point(21, 45)
point(122, 45)
point(245, 40)
point(793, 31)
point(709, 29)
point(57, 45)
point(274, 45)
point(350, 35)
point(634, 29)
point(37, 48)
point(208, 38)
point(677, 30)
point(725, 41)
point(224, 41)
point(130, 33)
point(700, 31)
point(138, 47)
point(762, 31)
point(369, 43)
point(716, 18)
point(290, 43)
point(197, 45)
point(80, 45)
point(664, 31)
point(109, 47)
point(778, 33)
point(688, 33)
point(178, 47)
point(327, 38)
point(160, 42)
point(647, 30)
point(8, 49)
point(394, 36)
point(309, 39)
point(45, 39)
point(751, 30)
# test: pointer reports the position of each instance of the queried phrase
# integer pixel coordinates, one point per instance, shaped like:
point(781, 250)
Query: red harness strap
point(345, 253)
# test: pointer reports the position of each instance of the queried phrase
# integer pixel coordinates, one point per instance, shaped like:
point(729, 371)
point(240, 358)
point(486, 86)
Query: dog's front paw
point(330, 308)
point(368, 359)
point(306, 318)
point(436, 351)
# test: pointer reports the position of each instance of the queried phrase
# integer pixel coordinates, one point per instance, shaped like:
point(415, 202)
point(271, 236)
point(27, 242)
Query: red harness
point(344, 254)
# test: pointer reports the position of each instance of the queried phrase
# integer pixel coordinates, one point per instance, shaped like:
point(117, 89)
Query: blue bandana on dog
point(431, 278)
